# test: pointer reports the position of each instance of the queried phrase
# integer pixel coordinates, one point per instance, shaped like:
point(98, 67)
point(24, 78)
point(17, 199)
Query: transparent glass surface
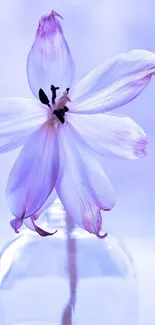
point(70, 278)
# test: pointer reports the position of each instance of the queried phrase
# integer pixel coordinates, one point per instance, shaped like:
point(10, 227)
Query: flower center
point(58, 108)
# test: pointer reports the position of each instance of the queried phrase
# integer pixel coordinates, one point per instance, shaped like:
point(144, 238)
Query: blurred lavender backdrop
point(95, 31)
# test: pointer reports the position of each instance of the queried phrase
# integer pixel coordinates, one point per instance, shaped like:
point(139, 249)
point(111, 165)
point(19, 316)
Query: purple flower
point(68, 130)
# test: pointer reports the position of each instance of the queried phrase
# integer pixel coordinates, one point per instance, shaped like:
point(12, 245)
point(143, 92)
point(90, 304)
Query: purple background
point(95, 30)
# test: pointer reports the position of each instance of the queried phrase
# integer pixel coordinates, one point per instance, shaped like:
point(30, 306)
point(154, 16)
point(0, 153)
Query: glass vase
point(70, 278)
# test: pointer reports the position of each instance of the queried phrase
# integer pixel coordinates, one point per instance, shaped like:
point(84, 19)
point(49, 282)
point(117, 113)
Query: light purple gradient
point(95, 32)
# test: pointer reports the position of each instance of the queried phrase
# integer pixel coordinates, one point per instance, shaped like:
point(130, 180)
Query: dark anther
point(62, 112)
point(66, 109)
point(59, 115)
point(43, 98)
point(55, 112)
point(67, 89)
point(54, 95)
point(61, 119)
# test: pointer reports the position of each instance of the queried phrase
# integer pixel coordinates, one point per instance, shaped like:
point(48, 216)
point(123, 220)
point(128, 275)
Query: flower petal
point(16, 224)
point(111, 134)
point(114, 83)
point(19, 118)
point(50, 200)
point(34, 174)
point(30, 222)
point(49, 61)
point(82, 185)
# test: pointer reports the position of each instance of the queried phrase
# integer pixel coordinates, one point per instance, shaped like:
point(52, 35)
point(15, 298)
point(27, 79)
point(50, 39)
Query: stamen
point(59, 116)
point(43, 98)
point(55, 112)
point(54, 95)
point(61, 112)
point(67, 90)
point(61, 119)
point(66, 109)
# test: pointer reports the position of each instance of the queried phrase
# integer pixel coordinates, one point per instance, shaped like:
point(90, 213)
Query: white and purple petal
point(114, 83)
point(111, 135)
point(19, 118)
point(34, 173)
point(49, 60)
point(82, 185)
point(31, 224)
point(31, 221)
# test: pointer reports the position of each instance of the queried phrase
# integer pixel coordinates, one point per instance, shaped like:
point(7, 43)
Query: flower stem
point(67, 317)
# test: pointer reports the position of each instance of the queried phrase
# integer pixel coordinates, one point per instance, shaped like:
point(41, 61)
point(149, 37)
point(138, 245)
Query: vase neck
point(55, 217)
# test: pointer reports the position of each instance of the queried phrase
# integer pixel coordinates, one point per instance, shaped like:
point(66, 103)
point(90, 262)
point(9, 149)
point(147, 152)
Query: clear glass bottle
point(69, 278)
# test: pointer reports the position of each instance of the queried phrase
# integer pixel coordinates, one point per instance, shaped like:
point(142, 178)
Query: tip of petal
point(55, 14)
point(44, 233)
point(102, 236)
point(141, 147)
point(107, 209)
point(49, 24)
point(41, 231)
point(16, 224)
point(93, 225)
